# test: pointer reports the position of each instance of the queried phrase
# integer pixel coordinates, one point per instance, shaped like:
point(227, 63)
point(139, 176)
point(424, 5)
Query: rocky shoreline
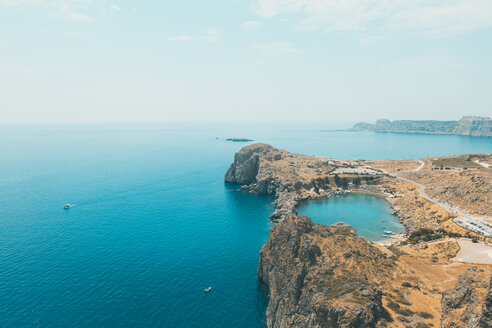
point(327, 276)
point(262, 169)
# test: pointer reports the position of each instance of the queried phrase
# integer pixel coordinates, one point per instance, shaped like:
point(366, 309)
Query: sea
point(153, 223)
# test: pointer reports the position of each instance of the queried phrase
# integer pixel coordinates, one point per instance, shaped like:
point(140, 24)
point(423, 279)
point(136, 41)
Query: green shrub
point(422, 325)
point(405, 312)
point(396, 251)
point(402, 319)
point(426, 315)
point(404, 302)
point(394, 306)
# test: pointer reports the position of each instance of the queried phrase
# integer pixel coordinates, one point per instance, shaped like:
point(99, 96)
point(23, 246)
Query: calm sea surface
point(369, 215)
point(153, 223)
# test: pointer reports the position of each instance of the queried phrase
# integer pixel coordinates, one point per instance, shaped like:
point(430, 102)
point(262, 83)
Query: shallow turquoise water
point(361, 211)
point(153, 223)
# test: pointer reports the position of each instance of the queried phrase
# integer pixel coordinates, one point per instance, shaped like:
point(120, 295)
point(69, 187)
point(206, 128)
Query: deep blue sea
point(153, 222)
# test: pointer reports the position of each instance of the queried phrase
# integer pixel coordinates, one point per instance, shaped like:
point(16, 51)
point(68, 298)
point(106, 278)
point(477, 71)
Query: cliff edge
point(328, 284)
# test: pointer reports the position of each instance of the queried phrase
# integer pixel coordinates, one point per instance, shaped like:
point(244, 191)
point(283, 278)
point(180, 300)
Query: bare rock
point(245, 166)
point(309, 283)
point(469, 304)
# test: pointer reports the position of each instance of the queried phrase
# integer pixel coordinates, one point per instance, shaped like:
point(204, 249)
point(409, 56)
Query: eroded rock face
point(262, 169)
point(321, 276)
point(245, 166)
point(469, 304)
point(266, 170)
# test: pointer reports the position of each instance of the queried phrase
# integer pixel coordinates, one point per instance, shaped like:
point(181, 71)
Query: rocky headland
point(327, 276)
point(468, 125)
point(321, 276)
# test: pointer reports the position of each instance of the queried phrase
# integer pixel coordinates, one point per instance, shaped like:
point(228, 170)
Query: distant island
point(239, 139)
point(468, 126)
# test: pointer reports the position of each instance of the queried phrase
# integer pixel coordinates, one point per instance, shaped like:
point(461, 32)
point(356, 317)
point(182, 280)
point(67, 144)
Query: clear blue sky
point(244, 60)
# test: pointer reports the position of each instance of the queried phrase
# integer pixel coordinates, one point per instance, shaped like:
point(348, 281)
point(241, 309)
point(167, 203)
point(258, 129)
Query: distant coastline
point(468, 126)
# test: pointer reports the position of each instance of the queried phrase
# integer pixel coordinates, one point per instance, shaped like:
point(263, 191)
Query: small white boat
point(206, 290)
point(67, 206)
point(389, 232)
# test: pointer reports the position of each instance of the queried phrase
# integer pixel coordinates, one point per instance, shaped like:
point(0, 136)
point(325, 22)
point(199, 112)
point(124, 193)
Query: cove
point(364, 212)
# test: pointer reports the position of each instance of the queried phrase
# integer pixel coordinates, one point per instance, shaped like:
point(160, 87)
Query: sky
point(128, 61)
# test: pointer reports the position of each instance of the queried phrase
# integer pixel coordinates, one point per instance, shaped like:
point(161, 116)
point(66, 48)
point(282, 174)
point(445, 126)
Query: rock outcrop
point(262, 169)
point(468, 125)
point(290, 178)
point(321, 276)
point(469, 304)
point(245, 166)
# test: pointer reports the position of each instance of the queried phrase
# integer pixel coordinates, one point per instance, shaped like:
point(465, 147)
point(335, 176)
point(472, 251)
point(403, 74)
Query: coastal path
point(466, 220)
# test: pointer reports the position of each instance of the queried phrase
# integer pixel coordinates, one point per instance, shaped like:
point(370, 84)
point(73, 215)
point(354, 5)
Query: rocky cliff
point(327, 276)
point(469, 304)
point(263, 169)
point(321, 276)
point(266, 170)
point(246, 163)
point(468, 125)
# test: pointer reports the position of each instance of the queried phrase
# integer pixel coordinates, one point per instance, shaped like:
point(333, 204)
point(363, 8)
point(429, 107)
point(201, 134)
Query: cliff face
point(262, 169)
point(468, 125)
point(245, 166)
point(321, 284)
point(266, 170)
point(469, 304)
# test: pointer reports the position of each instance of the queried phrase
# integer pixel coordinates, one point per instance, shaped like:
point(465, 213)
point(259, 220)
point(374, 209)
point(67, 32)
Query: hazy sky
point(244, 60)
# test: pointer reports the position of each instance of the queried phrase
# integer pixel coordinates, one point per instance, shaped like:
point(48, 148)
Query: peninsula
point(468, 126)
point(328, 276)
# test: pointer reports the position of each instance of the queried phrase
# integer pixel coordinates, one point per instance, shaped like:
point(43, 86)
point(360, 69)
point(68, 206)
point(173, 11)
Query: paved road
point(470, 222)
point(422, 164)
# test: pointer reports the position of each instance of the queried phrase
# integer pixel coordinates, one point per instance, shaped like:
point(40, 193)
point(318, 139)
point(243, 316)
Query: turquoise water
point(153, 223)
point(363, 212)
